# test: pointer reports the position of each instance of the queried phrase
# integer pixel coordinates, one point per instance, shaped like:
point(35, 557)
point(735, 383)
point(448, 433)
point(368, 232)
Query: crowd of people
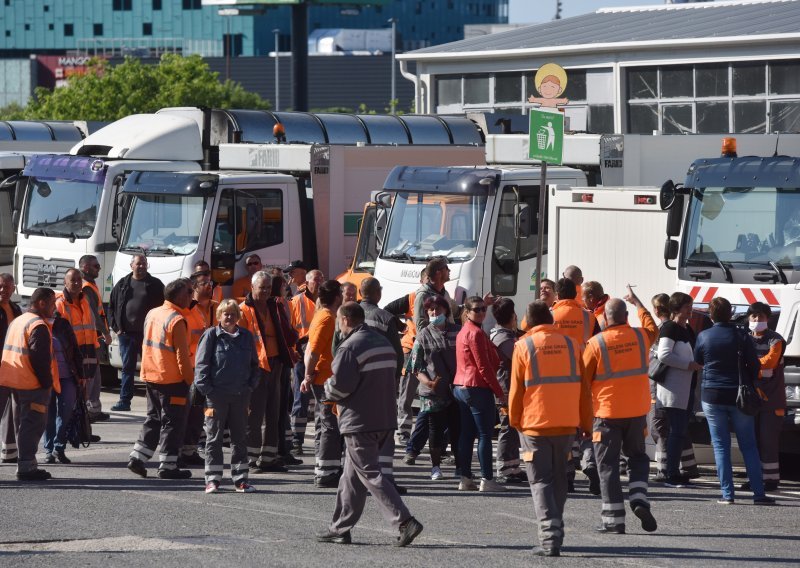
point(567, 388)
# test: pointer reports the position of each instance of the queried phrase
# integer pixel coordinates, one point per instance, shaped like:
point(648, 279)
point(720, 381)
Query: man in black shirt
point(131, 299)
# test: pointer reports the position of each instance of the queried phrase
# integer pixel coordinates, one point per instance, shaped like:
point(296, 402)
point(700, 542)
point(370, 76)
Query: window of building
point(507, 87)
point(236, 43)
point(51, 27)
point(576, 85)
point(8, 33)
point(27, 27)
point(642, 118)
point(749, 116)
point(120, 5)
point(156, 4)
point(677, 82)
point(147, 28)
point(749, 79)
point(98, 29)
point(784, 78)
point(600, 119)
point(643, 83)
point(711, 80)
point(448, 91)
point(192, 4)
point(46, 8)
point(476, 89)
point(68, 30)
point(676, 119)
point(712, 117)
point(784, 116)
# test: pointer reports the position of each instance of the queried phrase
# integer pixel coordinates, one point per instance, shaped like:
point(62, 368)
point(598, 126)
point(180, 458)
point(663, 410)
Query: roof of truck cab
point(745, 171)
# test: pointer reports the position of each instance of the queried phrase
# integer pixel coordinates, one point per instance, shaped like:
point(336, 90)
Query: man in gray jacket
point(379, 319)
point(363, 387)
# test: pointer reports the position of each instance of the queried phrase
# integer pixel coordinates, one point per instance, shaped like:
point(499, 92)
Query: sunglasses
point(478, 310)
point(253, 263)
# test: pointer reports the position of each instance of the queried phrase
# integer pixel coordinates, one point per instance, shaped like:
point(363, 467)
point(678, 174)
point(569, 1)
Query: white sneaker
point(212, 486)
point(467, 484)
point(436, 473)
point(490, 485)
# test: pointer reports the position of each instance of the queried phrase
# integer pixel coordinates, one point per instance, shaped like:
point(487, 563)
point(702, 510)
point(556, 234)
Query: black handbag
point(747, 399)
point(656, 370)
point(79, 430)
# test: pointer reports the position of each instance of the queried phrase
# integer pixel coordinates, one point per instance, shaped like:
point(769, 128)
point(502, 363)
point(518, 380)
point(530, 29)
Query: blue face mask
point(438, 320)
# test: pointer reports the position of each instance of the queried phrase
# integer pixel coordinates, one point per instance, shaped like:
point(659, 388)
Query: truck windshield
point(424, 225)
point(61, 208)
point(744, 225)
point(164, 224)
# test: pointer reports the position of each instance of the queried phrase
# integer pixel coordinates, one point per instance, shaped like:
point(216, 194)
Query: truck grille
point(38, 272)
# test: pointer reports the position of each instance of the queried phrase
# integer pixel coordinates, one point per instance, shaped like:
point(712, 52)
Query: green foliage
point(13, 111)
point(109, 93)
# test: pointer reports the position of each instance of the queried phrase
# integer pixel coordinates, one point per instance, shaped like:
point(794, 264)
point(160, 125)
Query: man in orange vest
point(615, 362)
point(74, 307)
point(90, 269)
point(167, 373)
point(575, 274)
point(243, 285)
point(302, 308)
point(296, 271)
point(202, 267)
point(594, 299)
point(318, 360)
point(8, 312)
point(548, 401)
point(28, 370)
point(201, 314)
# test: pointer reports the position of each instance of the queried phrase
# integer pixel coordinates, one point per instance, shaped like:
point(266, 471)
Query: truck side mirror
point(666, 197)
point(670, 252)
point(384, 200)
point(522, 215)
point(675, 216)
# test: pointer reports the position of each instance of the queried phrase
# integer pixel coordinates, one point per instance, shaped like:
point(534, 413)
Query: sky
point(525, 11)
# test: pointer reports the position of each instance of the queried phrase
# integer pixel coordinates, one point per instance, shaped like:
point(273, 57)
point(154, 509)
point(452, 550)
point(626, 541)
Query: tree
point(109, 93)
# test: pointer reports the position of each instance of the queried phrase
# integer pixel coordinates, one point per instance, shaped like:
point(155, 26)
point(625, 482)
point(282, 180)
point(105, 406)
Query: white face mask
point(758, 326)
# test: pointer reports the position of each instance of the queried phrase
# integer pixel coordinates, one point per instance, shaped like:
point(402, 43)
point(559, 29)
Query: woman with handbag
point(723, 372)
point(674, 394)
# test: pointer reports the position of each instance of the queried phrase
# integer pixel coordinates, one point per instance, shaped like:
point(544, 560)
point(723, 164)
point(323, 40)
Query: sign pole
point(540, 227)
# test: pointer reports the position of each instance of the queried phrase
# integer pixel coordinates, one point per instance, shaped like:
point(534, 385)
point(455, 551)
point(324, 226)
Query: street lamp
point(277, 32)
point(393, 102)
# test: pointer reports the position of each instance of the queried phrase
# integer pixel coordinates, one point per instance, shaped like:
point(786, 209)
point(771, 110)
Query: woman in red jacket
point(475, 389)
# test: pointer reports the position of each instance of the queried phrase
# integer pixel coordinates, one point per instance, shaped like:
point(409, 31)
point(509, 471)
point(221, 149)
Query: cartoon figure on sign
point(550, 80)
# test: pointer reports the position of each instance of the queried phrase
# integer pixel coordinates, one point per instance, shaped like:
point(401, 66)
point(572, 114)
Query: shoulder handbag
point(656, 370)
point(747, 399)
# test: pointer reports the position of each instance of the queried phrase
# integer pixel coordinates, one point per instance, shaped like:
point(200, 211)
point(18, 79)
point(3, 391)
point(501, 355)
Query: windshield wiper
point(134, 248)
point(767, 264)
point(38, 231)
point(166, 250)
point(726, 271)
point(404, 256)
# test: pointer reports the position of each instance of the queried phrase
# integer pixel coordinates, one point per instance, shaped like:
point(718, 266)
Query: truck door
point(248, 220)
point(7, 229)
point(513, 260)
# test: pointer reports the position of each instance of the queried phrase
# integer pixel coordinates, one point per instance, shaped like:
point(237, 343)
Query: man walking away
point(363, 387)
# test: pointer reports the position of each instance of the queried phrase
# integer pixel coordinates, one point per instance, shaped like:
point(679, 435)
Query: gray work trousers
point(230, 409)
point(167, 405)
point(195, 421)
point(508, 442)
point(768, 434)
point(327, 439)
point(93, 385)
point(582, 455)
point(405, 400)
point(546, 459)
point(612, 436)
point(30, 413)
point(263, 423)
point(362, 475)
point(8, 434)
point(659, 432)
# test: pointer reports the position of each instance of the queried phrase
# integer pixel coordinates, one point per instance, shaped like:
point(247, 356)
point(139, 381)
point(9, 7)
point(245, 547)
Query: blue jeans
point(59, 415)
point(419, 436)
point(678, 425)
point(719, 416)
point(130, 348)
point(478, 411)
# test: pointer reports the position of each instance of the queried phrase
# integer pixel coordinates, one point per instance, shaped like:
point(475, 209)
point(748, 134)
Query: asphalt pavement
point(94, 512)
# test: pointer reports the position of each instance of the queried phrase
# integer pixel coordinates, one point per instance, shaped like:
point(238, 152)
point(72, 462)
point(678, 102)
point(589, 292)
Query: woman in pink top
point(475, 389)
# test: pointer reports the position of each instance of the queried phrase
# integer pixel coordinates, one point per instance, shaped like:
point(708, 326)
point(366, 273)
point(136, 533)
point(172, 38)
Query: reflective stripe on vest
point(159, 361)
point(80, 317)
point(162, 342)
point(536, 379)
point(100, 309)
point(251, 323)
point(611, 374)
point(16, 370)
point(300, 316)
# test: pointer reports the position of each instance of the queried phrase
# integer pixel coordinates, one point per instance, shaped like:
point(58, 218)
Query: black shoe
point(516, 478)
point(400, 489)
point(94, 439)
point(691, 473)
point(34, 475)
point(327, 481)
point(770, 486)
point(99, 417)
point(408, 532)
point(122, 407)
point(49, 459)
point(62, 457)
point(174, 473)
point(297, 449)
point(675, 481)
point(8, 460)
point(289, 459)
point(542, 551)
point(764, 501)
point(137, 467)
point(648, 520)
point(659, 477)
point(594, 480)
point(193, 459)
point(272, 467)
point(613, 529)
point(334, 538)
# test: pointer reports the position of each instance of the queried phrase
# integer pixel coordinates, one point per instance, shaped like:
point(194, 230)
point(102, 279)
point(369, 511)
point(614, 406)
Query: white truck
point(70, 204)
point(733, 231)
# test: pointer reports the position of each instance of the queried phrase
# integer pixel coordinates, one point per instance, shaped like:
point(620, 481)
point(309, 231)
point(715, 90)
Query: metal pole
point(540, 217)
point(300, 57)
point(393, 102)
point(277, 71)
point(228, 50)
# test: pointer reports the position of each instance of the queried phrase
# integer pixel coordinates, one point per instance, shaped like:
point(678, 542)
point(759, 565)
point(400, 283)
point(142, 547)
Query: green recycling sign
point(546, 136)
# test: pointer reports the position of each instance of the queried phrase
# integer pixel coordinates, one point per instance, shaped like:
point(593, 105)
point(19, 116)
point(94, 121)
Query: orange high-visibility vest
point(249, 321)
point(620, 386)
point(196, 324)
point(16, 371)
point(552, 379)
point(302, 308)
point(79, 315)
point(101, 311)
point(407, 341)
point(573, 320)
point(159, 357)
point(216, 295)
